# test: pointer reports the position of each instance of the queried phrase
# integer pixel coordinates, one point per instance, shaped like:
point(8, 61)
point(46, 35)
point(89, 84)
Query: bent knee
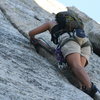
point(74, 64)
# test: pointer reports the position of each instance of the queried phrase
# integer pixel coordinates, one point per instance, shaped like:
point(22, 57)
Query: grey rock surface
point(24, 74)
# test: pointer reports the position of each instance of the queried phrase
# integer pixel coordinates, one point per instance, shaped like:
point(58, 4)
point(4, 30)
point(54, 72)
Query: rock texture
point(24, 74)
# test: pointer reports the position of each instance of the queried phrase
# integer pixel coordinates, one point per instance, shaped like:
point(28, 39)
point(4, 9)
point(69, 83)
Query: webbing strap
point(65, 41)
point(86, 44)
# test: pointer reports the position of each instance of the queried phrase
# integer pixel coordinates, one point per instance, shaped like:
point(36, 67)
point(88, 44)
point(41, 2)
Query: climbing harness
point(60, 58)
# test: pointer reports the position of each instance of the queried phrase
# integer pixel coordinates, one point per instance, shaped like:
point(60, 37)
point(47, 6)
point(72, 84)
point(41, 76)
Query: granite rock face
point(24, 74)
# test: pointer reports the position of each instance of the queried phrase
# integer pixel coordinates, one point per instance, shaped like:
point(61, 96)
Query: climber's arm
point(39, 29)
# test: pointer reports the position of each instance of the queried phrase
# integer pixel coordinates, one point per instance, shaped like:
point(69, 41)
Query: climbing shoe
point(92, 91)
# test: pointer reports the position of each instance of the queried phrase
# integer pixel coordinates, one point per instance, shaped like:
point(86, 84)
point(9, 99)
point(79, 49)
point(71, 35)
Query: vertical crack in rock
point(12, 23)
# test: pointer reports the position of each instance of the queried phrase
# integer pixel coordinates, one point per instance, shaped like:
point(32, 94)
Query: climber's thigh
point(74, 60)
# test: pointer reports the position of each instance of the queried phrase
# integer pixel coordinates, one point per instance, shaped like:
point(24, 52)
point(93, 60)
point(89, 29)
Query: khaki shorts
point(73, 47)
